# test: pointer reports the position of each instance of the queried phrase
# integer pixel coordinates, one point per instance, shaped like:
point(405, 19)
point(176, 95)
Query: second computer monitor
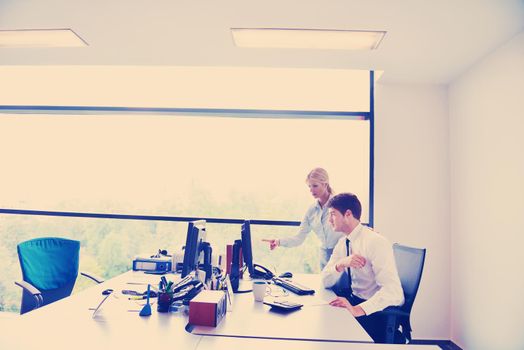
point(196, 231)
point(247, 251)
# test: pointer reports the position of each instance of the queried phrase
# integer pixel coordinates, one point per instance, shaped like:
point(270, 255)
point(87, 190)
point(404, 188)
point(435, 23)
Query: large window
point(197, 166)
point(209, 142)
point(224, 167)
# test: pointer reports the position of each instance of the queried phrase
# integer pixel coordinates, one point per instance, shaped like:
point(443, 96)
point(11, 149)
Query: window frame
point(240, 113)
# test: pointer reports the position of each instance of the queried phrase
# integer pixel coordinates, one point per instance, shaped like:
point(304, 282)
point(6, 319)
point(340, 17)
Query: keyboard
point(293, 286)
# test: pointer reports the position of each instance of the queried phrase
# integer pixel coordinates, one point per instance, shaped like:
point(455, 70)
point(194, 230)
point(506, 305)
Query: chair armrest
point(393, 311)
point(92, 277)
point(395, 316)
point(28, 287)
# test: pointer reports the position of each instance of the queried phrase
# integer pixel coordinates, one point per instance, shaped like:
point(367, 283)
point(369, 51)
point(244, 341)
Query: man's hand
point(340, 302)
point(354, 261)
point(356, 311)
point(273, 243)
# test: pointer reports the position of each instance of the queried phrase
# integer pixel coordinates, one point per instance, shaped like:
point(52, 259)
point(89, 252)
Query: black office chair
point(49, 270)
point(410, 263)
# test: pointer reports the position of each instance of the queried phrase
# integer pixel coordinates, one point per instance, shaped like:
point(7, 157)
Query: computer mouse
point(286, 275)
point(107, 292)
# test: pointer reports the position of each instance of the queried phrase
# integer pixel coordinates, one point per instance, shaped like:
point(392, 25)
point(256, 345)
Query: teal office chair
point(49, 270)
point(410, 263)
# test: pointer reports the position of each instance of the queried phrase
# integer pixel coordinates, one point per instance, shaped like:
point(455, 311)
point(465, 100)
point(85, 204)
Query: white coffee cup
point(259, 290)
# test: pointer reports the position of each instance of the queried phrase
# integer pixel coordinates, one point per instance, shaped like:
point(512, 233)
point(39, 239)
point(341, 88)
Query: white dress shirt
point(377, 282)
point(316, 220)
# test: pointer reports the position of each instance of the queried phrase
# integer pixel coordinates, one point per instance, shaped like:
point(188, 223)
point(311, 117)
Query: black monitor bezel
point(247, 248)
point(196, 234)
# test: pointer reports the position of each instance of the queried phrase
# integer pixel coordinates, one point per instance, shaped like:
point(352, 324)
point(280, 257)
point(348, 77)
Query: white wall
point(412, 191)
point(487, 201)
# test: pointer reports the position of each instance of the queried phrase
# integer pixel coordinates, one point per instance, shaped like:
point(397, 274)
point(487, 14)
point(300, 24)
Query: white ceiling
point(426, 42)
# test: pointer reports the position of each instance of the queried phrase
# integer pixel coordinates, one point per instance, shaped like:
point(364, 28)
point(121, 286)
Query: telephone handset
point(260, 271)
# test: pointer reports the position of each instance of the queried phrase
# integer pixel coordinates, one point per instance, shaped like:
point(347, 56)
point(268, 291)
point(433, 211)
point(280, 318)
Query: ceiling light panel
point(307, 38)
point(30, 38)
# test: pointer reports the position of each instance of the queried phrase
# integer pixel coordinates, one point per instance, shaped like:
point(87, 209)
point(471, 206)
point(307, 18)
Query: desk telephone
point(283, 305)
point(260, 271)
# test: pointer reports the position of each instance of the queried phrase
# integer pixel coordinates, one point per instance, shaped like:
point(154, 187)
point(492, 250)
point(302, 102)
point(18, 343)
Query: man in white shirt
point(368, 258)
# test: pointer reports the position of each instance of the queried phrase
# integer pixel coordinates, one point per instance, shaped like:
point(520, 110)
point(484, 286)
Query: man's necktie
point(349, 269)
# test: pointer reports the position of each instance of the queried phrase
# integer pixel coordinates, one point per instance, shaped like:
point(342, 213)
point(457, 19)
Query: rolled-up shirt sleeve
point(329, 274)
point(386, 276)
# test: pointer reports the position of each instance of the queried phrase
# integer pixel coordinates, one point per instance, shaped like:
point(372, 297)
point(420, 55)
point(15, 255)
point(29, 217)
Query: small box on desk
point(208, 308)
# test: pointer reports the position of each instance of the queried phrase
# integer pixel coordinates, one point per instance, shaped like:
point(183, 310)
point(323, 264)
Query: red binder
point(229, 257)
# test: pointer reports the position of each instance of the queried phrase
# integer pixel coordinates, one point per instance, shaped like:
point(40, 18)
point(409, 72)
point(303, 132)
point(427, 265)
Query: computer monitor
point(255, 270)
point(247, 251)
point(196, 234)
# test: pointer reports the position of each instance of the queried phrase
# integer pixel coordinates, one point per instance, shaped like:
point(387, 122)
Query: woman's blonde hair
point(320, 175)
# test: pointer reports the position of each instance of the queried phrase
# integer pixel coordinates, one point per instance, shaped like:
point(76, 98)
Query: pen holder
point(164, 301)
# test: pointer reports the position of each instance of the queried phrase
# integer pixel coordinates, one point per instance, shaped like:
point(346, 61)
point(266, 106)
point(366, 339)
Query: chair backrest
point(51, 265)
point(410, 263)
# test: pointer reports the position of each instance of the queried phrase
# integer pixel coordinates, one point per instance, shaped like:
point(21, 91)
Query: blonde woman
point(316, 218)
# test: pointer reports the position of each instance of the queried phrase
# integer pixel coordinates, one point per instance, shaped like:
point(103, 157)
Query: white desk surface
point(68, 324)
point(316, 320)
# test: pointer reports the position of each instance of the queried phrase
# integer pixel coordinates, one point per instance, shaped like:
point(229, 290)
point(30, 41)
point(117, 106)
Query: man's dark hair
point(344, 202)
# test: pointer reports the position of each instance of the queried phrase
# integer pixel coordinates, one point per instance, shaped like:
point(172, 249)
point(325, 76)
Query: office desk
point(316, 320)
point(68, 324)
